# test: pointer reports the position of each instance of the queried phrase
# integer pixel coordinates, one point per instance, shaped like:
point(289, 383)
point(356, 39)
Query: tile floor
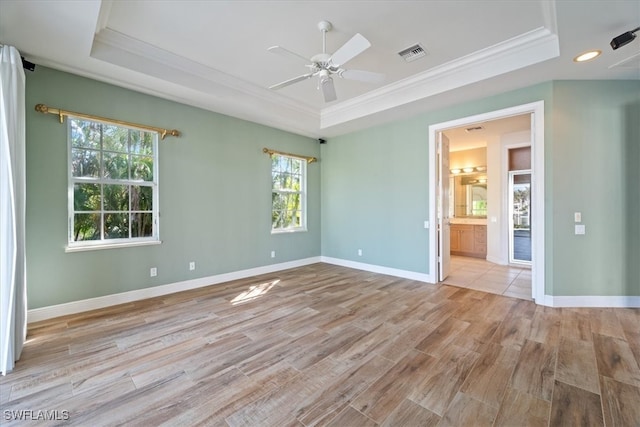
point(482, 275)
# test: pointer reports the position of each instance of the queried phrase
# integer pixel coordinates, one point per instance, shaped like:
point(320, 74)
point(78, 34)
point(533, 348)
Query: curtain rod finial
point(41, 108)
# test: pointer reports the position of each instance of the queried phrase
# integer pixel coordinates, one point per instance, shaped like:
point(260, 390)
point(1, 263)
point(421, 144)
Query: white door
point(444, 226)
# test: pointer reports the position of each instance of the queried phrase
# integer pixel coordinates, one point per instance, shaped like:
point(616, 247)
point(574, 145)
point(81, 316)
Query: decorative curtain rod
point(41, 108)
point(271, 152)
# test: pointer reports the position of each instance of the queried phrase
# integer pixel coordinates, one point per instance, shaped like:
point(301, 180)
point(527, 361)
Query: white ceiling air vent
point(474, 128)
point(412, 53)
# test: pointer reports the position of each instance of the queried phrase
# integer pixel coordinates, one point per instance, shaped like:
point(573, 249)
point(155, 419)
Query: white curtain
point(13, 274)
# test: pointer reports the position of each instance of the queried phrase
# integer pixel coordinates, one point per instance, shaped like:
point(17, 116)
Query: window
point(288, 195)
point(113, 185)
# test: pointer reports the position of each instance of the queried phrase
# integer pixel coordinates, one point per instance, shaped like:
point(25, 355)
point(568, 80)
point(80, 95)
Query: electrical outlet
point(153, 272)
point(273, 254)
point(359, 252)
point(192, 266)
point(577, 217)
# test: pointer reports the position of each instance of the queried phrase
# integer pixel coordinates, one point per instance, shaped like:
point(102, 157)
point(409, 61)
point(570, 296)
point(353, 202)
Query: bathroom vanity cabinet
point(469, 240)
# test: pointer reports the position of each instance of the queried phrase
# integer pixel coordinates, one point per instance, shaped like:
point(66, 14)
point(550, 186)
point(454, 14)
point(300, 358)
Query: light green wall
point(596, 160)
point(375, 187)
point(369, 191)
point(215, 201)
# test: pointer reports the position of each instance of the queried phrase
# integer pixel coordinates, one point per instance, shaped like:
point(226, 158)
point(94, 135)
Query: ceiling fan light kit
point(324, 65)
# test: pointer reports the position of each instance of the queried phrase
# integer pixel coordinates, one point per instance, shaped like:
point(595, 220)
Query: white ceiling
point(213, 54)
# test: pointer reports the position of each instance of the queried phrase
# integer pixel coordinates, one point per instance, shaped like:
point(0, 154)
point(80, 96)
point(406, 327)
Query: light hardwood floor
point(327, 345)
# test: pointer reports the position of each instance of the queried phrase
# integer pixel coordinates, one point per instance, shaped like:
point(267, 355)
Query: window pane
point(115, 138)
point(116, 197)
point(284, 181)
point(141, 198)
point(141, 142)
point(116, 225)
point(293, 201)
point(276, 219)
point(279, 201)
point(85, 163)
point(296, 166)
point(142, 168)
point(296, 181)
point(116, 166)
point(85, 134)
point(86, 197)
point(294, 218)
point(86, 227)
point(289, 219)
point(141, 225)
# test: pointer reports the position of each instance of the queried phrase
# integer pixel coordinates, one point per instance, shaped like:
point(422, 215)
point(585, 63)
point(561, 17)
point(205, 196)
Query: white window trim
point(303, 194)
point(91, 245)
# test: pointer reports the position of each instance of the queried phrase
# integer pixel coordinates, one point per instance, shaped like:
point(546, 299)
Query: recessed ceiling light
point(587, 56)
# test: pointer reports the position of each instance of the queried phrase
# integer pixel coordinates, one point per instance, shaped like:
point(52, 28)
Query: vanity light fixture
point(455, 171)
point(587, 56)
point(481, 168)
point(467, 170)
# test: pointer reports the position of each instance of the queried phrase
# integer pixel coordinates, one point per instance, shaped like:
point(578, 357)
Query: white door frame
point(537, 186)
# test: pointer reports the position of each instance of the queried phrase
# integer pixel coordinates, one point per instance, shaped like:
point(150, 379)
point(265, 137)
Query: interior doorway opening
point(535, 215)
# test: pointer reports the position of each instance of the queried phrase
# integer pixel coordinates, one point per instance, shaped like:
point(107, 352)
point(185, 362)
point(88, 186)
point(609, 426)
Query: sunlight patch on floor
point(254, 291)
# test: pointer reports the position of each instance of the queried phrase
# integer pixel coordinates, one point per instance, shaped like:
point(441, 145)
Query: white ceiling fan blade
point(291, 81)
point(350, 50)
point(287, 53)
point(328, 89)
point(363, 76)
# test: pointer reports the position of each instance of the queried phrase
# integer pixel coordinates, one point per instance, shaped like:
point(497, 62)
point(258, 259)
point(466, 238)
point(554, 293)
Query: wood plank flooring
point(328, 345)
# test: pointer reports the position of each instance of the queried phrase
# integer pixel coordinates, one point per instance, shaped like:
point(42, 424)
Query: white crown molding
point(44, 313)
point(103, 15)
point(211, 89)
point(521, 51)
point(116, 47)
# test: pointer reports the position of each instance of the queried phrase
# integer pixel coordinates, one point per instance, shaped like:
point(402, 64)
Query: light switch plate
point(580, 229)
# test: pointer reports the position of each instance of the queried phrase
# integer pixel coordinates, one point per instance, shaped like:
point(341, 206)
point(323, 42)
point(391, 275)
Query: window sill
point(70, 249)
point(290, 230)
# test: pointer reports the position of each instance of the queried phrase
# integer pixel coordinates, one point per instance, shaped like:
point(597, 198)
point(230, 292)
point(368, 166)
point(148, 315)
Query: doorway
point(520, 217)
point(536, 211)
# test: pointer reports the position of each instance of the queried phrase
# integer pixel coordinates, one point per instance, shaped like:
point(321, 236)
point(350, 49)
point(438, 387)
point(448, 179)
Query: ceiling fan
point(324, 65)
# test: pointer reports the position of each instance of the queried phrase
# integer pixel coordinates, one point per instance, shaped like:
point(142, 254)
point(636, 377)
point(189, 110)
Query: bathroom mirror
point(468, 195)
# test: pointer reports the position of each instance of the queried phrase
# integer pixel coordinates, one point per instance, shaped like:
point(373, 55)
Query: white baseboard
point(592, 301)
point(405, 274)
point(497, 260)
point(44, 313)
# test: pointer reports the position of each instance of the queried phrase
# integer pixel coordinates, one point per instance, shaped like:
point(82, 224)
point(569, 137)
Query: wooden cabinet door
point(455, 238)
point(467, 238)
